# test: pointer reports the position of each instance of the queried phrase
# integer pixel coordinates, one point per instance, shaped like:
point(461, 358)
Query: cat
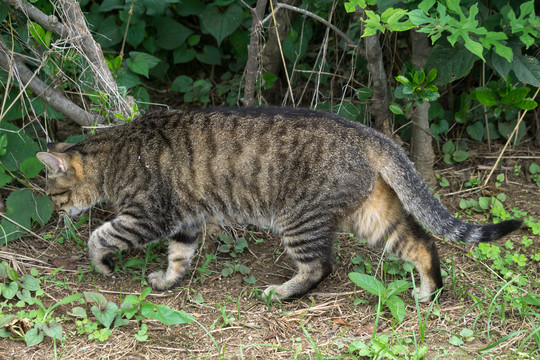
point(303, 173)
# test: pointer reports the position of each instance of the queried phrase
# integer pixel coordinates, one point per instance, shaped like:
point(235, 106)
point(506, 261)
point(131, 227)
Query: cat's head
point(69, 185)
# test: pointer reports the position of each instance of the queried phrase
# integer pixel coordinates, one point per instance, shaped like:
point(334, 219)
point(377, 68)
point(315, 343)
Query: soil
point(233, 322)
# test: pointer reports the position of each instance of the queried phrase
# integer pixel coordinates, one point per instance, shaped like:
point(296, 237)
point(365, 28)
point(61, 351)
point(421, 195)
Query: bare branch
point(253, 52)
point(49, 22)
point(316, 17)
point(80, 35)
point(53, 97)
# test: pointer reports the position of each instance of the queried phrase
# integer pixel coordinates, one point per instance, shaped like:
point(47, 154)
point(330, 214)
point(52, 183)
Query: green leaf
point(138, 65)
point(9, 291)
point(108, 5)
point(23, 207)
point(78, 312)
point(165, 314)
point(19, 146)
point(527, 69)
point(106, 315)
point(527, 104)
point(120, 321)
point(29, 282)
point(135, 34)
point(476, 130)
point(31, 167)
point(170, 33)
point(108, 33)
point(426, 5)
point(368, 283)
point(350, 6)
point(397, 307)
point(460, 155)
point(95, 298)
point(451, 63)
point(221, 24)
point(456, 341)
point(485, 97)
point(53, 330)
point(403, 79)
point(397, 287)
point(514, 96)
point(33, 337)
point(484, 202)
point(210, 55)
point(449, 147)
point(190, 7)
point(396, 109)
point(146, 291)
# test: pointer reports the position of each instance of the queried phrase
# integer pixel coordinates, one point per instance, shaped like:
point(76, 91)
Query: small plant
point(231, 246)
point(229, 269)
point(443, 182)
point(455, 154)
point(224, 320)
point(136, 306)
point(387, 294)
point(534, 170)
point(464, 335)
point(416, 86)
point(361, 265)
point(382, 346)
point(193, 91)
point(202, 270)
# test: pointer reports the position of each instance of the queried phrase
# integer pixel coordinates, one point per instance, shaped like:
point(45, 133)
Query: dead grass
point(321, 325)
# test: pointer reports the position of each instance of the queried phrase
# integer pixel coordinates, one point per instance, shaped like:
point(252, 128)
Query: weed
point(387, 294)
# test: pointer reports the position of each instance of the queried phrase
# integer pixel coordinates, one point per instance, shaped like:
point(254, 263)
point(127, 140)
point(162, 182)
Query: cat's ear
point(57, 163)
point(58, 147)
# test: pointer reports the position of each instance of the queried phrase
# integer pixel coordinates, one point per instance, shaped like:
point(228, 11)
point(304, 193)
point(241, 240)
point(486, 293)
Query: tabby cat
point(303, 173)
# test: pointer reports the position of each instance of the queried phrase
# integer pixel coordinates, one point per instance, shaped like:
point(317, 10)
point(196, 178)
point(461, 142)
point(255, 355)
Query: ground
point(232, 321)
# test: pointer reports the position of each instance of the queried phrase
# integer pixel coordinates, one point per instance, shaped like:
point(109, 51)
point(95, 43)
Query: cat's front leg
point(116, 235)
point(181, 250)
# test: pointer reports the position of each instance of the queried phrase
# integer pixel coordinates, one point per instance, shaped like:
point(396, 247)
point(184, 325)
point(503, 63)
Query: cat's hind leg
point(383, 221)
point(181, 250)
point(310, 246)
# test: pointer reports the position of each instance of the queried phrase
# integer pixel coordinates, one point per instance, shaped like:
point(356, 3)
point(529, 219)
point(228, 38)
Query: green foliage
point(387, 294)
point(416, 87)
point(453, 153)
point(136, 306)
point(23, 209)
point(534, 170)
point(232, 246)
point(460, 25)
point(18, 292)
point(385, 346)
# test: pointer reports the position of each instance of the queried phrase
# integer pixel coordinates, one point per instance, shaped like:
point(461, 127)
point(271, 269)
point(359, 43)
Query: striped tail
point(399, 172)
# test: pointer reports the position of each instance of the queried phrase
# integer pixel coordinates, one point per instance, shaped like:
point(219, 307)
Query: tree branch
point(51, 96)
point(73, 28)
point(316, 17)
point(253, 53)
point(48, 22)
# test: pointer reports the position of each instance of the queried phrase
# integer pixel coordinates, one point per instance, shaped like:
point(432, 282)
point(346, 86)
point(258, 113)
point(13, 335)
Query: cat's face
point(67, 183)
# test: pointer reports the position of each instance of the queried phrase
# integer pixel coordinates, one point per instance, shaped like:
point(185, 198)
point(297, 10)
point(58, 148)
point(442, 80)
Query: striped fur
point(304, 173)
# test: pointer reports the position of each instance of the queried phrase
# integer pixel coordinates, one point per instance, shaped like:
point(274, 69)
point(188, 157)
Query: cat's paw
point(272, 293)
point(104, 265)
point(423, 295)
point(157, 281)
